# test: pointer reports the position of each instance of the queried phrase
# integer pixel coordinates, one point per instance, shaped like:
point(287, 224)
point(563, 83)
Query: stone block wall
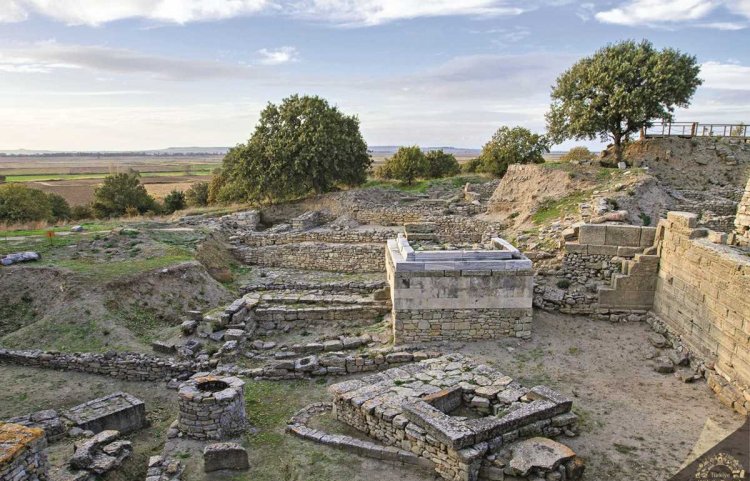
point(742, 221)
point(634, 287)
point(318, 256)
point(702, 298)
point(22, 455)
point(118, 411)
point(597, 253)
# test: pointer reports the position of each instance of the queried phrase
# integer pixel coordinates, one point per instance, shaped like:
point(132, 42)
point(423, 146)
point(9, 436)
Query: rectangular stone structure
point(22, 455)
point(119, 411)
point(459, 295)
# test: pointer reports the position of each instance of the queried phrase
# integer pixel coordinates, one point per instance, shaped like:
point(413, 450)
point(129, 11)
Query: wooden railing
point(695, 129)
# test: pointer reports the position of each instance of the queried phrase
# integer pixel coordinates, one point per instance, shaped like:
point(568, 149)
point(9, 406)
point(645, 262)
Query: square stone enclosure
point(459, 294)
point(119, 411)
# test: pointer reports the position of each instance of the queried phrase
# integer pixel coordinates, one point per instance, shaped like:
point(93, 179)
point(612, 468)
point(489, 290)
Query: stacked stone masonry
point(118, 411)
point(459, 295)
point(337, 257)
point(419, 408)
point(22, 453)
point(742, 220)
point(702, 299)
point(212, 407)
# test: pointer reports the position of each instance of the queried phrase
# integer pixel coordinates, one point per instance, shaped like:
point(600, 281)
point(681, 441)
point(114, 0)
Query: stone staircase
point(634, 288)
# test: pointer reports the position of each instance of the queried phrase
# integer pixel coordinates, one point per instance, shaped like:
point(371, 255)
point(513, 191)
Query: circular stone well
point(212, 407)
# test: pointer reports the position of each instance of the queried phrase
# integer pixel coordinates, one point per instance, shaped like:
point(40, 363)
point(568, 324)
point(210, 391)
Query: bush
point(197, 195)
point(19, 203)
point(120, 193)
point(472, 166)
point(303, 145)
point(578, 154)
point(383, 171)
point(60, 207)
point(563, 283)
point(79, 212)
point(407, 164)
point(174, 201)
point(440, 164)
point(512, 146)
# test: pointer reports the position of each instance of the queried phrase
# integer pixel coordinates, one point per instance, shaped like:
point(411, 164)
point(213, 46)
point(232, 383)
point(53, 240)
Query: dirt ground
point(636, 424)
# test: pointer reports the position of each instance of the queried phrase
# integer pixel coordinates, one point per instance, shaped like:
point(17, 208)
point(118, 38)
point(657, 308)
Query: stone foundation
point(119, 411)
point(462, 324)
point(318, 256)
point(412, 409)
point(22, 456)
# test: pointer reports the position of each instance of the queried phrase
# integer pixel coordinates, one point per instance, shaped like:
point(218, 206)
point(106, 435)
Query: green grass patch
point(87, 227)
point(104, 271)
point(423, 185)
point(553, 209)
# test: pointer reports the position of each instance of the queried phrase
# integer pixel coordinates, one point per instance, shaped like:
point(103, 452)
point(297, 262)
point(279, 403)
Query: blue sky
point(141, 74)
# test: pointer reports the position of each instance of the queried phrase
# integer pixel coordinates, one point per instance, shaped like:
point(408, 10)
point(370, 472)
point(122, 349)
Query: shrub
point(19, 203)
point(440, 164)
point(515, 145)
point(197, 195)
point(120, 194)
point(60, 207)
point(563, 283)
point(407, 164)
point(383, 171)
point(578, 154)
point(174, 201)
point(472, 166)
point(79, 212)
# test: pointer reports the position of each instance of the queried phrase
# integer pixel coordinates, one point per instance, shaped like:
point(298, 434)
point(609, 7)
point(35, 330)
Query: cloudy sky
point(141, 74)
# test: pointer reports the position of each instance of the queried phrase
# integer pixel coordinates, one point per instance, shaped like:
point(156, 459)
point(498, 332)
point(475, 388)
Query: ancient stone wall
point(22, 455)
point(121, 365)
point(702, 298)
point(317, 256)
point(742, 221)
point(259, 239)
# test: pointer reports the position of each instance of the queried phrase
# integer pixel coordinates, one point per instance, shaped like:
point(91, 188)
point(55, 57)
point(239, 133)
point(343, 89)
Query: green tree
point(19, 203)
point(515, 145)
point(440, 164)
point(578, 154)
point(60, 207)
point(621, 88)
point(302, 145)
point(120, 193)
point(407, 164)
point(174, 201)
point(197, 194)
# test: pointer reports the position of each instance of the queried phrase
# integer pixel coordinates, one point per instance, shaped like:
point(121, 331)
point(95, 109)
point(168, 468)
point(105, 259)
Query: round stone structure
point(212, 407)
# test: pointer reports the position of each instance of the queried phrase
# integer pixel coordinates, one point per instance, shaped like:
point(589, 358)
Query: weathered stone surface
point(220, 456)
point(118, 411)
point(540, 453)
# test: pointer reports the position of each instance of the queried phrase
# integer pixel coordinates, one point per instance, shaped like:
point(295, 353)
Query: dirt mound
point(698, 163)
point(49, 308)
point(526, 187)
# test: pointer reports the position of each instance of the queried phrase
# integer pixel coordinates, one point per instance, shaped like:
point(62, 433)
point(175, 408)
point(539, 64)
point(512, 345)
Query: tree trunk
point(617, 140)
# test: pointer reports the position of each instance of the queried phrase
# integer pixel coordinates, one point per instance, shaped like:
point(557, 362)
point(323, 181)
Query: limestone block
point(648, 236)
point(220, 456)
point(622, 235)
point(592, 234)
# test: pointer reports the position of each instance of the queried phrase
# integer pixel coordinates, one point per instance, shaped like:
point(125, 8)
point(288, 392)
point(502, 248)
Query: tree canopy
point(406, 165)
point(516, 145)
point(440, 164)
point(120, 193)
point(302, 145)
point(19, 203)
point(579, 153)
point(621, 88)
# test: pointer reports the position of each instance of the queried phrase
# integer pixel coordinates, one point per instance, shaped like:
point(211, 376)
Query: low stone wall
point(22, 455)
point(461, 324)
point(121, 365)
point(334, 287)
point(702, 298)
point(317, 256)
point(280, 317)
point(260, 239)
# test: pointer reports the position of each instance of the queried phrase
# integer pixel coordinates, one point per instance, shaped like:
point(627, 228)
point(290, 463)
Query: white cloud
point(727, 76)
point(729, 26)
point(650, 12)
point(375, 12)
point(347, 12)
point(49, 56)
point(278, 56)
point(97, 12)
point(12, 11)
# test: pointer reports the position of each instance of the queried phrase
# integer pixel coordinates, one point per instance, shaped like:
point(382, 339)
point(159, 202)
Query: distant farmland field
point(75, 178)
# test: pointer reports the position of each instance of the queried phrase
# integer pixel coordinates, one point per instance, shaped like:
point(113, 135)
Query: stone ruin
point(742, 221)
point(22, 453)
point(212, 407)
point(461, 418)
point(459, 294)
